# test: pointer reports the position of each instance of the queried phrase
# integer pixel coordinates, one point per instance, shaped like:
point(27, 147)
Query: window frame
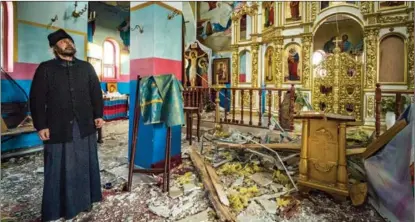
point(116, 60)
point(7, 43)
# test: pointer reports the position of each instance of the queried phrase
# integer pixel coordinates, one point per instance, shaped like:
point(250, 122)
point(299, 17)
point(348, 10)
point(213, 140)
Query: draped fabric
point(161, 100)
point(388, 173)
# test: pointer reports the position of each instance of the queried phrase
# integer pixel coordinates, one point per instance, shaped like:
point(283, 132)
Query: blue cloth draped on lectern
point(161, 100)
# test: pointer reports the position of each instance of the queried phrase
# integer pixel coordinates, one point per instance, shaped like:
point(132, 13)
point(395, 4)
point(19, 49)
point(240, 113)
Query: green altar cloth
point(161, 100)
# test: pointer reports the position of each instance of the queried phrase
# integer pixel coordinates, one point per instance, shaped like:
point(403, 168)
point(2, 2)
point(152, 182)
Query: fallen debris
point(217, 185)
point(222, 211)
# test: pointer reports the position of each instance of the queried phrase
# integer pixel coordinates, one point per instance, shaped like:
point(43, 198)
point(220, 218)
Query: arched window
point(110, 59)
point(6, 20)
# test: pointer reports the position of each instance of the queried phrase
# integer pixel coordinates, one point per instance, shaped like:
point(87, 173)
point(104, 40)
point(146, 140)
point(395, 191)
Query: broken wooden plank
point(276, 146)
point(383, 139)
point(222, 211)
point(220, 191)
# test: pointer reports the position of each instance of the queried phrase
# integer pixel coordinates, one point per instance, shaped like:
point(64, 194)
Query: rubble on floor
point(256, 188)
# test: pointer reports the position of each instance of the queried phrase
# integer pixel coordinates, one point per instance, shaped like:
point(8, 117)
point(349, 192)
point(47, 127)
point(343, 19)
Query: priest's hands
point(99, 123)
point(44, 134)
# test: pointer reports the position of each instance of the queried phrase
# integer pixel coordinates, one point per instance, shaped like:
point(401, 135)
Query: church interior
point(226, 111)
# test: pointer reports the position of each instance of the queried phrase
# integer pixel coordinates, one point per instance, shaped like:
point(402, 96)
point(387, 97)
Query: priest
point(67, 107)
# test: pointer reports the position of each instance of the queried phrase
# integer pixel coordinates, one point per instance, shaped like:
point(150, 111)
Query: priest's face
point(65, 47)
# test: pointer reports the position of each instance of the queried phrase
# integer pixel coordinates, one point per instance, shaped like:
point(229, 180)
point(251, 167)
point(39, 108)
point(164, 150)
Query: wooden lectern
point(323, 153)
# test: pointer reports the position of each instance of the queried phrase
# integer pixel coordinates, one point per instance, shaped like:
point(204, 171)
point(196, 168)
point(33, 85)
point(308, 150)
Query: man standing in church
point(67, 107)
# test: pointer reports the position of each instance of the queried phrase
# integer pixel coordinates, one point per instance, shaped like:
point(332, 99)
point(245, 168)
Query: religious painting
point(391, 4)
point(244, 26)
point(221, 70)
point(203, 64)
point(268, 8)
point(292, 63)
point(97, 64)
point(245, 67)
point(293, 11)
point(326, 4)
point(112, 87)
point(192, 56)
point(339, 31)
point(214, 24)
point(269, 65)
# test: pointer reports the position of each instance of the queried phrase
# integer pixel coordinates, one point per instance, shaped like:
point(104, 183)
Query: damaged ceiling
point(125, 6)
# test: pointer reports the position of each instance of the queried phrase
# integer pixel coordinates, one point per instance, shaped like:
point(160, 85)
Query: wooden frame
point(112, 87)
point(224, 73)
point(97, 64)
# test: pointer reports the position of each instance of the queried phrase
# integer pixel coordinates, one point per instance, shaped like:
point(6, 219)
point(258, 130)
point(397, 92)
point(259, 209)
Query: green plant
point(301, 99)
point(388, 104)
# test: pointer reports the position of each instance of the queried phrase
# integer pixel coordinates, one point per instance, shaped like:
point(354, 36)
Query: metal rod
point(279, 158)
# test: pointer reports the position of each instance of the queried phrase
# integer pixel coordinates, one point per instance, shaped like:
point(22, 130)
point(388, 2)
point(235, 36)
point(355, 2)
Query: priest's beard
point(67, 51)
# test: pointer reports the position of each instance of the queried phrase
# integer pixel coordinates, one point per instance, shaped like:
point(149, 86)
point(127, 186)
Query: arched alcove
point(245, 73)
point(392, 59)
point(245, 27)
point(269, 64)
point(340, 29)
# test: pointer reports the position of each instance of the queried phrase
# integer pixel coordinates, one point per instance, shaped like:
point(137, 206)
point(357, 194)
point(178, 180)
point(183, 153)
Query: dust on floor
point(22, 187)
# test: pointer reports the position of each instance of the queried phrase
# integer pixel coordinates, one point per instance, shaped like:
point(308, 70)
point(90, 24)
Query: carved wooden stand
point(323, 153)
point(167, 159)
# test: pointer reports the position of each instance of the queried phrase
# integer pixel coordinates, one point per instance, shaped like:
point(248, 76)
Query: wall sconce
point(173, 14)
point(140, 29)
point(54, 19)
point(76, 14)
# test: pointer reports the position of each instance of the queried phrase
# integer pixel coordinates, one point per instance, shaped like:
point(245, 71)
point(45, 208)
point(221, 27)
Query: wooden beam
point(282, 147)
point(222, 211)
point(383, 139)
point(276, 146)
point(220, 191)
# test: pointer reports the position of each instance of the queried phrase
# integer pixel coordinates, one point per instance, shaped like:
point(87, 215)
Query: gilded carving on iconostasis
point(292, 63)
point(293, 11)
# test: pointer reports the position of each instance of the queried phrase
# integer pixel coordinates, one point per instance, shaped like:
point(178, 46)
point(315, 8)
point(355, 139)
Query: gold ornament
point(370, 106)
point(371, 42)
point(393, 19)
point(278, 75)
point(235, 68)
point(306, 50)
point(410, 30)
point(255, 48)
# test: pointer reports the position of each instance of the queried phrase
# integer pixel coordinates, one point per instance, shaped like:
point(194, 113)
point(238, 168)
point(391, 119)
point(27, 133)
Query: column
point(156, 49)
